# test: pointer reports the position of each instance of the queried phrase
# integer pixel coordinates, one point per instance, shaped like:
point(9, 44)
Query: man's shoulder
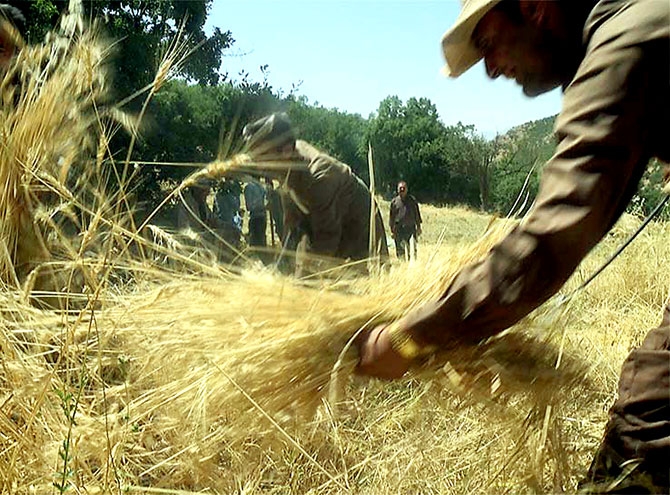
point(623, 38)
point(316, 157)
point(310, 153)
point(632, 21)
point(325, 166)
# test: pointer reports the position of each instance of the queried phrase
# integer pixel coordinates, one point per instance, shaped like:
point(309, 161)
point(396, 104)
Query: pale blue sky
point(351, 54)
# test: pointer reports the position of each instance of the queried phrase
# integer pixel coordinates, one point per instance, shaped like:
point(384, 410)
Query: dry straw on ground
point(184, 376)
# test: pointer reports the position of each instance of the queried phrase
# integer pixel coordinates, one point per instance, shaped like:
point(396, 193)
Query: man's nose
point(492, 69)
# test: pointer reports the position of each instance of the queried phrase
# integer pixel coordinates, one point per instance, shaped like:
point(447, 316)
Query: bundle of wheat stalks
point(162, 388)
point(56, 121)
point(241, 381)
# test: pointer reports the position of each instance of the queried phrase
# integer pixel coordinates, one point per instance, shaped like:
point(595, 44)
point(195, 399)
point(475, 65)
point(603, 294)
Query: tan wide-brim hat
point(459, 51)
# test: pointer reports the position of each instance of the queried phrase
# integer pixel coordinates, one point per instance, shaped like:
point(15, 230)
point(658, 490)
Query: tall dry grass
point(180, 375)
point(217, 384)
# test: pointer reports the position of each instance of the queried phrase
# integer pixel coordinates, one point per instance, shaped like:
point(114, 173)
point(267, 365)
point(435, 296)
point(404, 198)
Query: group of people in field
point(319, 206)
point(612, 60)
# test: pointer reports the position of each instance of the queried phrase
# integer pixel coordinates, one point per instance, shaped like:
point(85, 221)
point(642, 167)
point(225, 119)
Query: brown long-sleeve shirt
point(337, 206)
point(615, 118)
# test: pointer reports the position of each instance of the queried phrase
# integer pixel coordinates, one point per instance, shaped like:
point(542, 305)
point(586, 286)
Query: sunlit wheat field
point(132, 360)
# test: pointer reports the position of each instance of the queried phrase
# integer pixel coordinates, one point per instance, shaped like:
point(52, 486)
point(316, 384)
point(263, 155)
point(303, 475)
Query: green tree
point(337, 133)
point(183, 121)
point(143, 29)
point(521, 155)
point(650, 190)
point(193, 123)
point(476, 158)
point(411, 143)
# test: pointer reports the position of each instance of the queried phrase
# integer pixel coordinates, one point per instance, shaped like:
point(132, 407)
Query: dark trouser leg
point(279, 227)
point(414, 255)
point(634, 456)
point(231, 235)
point(400, 247)
point(302, 257)
point(257, 227)
point(286, 262)
point(231, 242)
point(402, 237)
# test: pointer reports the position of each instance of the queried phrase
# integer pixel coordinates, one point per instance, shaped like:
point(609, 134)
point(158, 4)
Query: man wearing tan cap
point(405, 222)
point(612, 59)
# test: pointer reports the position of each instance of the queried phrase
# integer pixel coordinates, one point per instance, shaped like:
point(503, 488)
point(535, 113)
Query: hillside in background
point(539, 131)
point(521, 152)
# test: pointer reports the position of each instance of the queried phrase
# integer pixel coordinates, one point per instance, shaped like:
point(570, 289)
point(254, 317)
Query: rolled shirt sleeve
point(601, 155)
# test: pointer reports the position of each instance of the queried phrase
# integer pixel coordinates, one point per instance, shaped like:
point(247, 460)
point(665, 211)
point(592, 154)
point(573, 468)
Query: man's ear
point(534, 11)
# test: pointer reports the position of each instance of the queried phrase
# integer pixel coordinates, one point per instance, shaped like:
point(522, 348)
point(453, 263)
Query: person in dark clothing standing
point(276, 211)
point(405, 221)
point(254, 200)
point(227, 209)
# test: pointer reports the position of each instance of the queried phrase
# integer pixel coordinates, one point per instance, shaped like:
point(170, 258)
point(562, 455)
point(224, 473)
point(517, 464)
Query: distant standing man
point(405, 221)
point(254, 200)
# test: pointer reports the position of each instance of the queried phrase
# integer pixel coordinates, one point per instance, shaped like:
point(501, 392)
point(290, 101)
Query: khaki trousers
point(634, 456)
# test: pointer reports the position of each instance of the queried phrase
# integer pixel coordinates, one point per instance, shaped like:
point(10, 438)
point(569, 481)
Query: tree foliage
point(339, 134)
point(192, 123)
point(650, 191)
point(411, 143)
point(520, 157)
point(143, 29)
point(199, 116)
